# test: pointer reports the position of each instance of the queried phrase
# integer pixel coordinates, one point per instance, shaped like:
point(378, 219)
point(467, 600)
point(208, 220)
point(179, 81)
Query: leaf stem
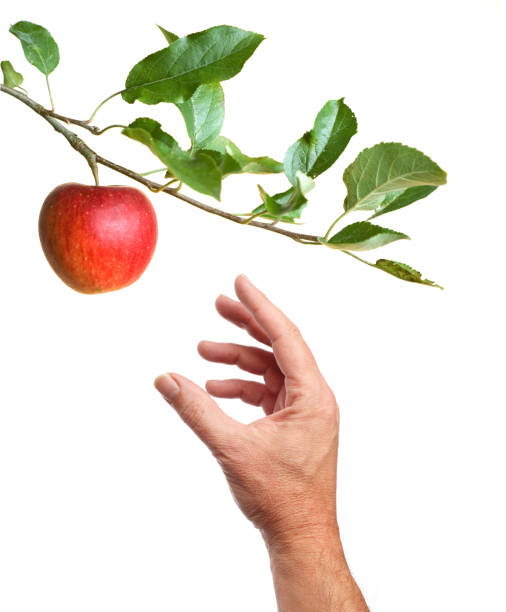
point(113, 125)
point(102, 104)
point(304, 242)
point(162, 187)
point(49, 92)
point(358, 258)
point(152, 172)
point(251, 217)
point(334, 223)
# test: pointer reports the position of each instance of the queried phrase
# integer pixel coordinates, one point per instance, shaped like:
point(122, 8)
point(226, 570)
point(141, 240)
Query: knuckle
point(329, 398)
point(319, 397)
point(329, 411)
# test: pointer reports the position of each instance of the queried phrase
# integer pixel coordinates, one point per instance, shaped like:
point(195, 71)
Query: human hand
point(281, 468)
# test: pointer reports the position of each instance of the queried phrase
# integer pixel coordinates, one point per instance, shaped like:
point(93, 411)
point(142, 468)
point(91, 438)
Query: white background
point(107, 502)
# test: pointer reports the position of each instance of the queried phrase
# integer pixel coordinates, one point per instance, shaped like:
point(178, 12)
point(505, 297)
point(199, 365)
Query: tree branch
point(57, 120)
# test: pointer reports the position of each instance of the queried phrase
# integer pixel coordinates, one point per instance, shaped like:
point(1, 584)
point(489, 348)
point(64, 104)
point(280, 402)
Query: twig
point(57, 120)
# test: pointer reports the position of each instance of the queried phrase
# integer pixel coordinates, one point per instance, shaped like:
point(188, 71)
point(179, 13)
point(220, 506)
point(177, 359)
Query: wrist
point(306, 519)
point(310, 545)
point(310, 571)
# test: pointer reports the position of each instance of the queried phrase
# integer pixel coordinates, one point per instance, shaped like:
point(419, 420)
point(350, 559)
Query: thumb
point(197, 409)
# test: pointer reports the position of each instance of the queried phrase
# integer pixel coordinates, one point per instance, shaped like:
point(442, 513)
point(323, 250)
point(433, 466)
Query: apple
point(96, 238)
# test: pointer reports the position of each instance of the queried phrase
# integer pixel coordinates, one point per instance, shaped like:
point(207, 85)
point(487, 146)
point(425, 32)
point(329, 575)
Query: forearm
point(311, 574)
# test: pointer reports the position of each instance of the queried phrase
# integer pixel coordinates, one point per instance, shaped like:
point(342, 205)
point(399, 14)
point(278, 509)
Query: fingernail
point(167, 386)
point(244, 277)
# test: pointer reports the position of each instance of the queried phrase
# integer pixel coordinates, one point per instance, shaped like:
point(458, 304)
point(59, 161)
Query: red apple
point(97, 238)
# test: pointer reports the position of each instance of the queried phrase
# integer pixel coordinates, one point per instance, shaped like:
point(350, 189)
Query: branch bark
point(57, 122)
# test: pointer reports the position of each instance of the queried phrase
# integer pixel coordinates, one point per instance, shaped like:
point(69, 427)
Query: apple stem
point(94, 170)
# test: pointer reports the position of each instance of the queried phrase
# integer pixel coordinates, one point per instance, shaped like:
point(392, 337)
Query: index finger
point(239, 315)
point(292, 354)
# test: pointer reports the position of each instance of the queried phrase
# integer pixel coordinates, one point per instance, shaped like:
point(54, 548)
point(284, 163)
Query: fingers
point(237, 314)
point(248, 358)
point(248, 391)
point(197, 409)
point(292, 353)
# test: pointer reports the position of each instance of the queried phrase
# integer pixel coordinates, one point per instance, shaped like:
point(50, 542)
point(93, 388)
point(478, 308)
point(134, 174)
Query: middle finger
point(248, 358)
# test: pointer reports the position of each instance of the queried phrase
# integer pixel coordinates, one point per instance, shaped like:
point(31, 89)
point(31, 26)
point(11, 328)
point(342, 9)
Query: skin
point(281, 469)
point(97, 238)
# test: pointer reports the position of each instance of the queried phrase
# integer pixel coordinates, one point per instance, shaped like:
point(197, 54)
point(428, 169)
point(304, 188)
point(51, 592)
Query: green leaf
point(281, 200)
point(11, 77)
point(39, 46)
point(288, 217)
point(404, 272)
point(399, 199)
point(196, 170)
point(290, 200)
point(149, 132)
point(170, 37)
point(203, 114)
point(386, 172)
point(174, 73)
point(318, 149)
point(270, 203)
point(231, 160)
point(363, 236)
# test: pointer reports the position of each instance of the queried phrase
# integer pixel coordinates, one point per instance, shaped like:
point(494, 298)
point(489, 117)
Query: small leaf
point(39, 46)
point(404, 272)
point(363, 236)
point(170, 37)
point(174, 73)
point(318, 149)
point(231, 160)
point(203, 114)
point(382, 176)
point(270, 203)
point(288, 217)
point(149, 132)
point(11, 77)
point(290, 200)
point(281, 200)
point(197, 170)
